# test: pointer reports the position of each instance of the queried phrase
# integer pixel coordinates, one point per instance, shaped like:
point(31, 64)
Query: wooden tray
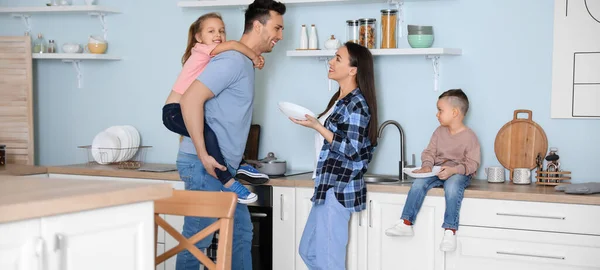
point(519, 142)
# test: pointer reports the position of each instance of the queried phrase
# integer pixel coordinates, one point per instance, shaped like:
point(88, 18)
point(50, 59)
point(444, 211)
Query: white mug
point(522, 176)
point(495, 174)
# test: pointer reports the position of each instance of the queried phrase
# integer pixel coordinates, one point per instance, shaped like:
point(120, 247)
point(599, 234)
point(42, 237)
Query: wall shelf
point(74, 56)
point(74, 59)
point(236, 3)
point(432, 54)
point(25, 13)
point(58, 9)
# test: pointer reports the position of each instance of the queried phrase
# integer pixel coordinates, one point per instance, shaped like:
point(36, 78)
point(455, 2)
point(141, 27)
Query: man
point(223, 94)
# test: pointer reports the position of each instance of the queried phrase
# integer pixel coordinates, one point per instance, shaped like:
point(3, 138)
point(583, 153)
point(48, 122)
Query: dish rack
point(104, 154)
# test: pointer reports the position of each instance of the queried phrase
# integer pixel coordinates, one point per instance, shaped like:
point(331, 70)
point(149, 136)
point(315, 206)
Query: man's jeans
point(195, 177)
point(454, 190)
point(325, 236)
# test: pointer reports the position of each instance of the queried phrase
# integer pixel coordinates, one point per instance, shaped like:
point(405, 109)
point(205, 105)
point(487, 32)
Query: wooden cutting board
point(16, 99)
point(519, 142)
point(251, 151)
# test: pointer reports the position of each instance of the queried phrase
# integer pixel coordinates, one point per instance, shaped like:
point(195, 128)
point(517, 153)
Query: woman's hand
point(310, 122)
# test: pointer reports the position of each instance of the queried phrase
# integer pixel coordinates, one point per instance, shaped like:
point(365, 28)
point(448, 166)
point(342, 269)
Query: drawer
point(490, 249)
point(552, 217)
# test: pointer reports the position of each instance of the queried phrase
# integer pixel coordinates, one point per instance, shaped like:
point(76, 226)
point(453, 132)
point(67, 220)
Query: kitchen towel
point(583, 188)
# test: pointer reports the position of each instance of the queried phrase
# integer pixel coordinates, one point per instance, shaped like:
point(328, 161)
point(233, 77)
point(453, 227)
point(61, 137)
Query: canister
point(389, 22)
point(352, 31)
point(367, 32)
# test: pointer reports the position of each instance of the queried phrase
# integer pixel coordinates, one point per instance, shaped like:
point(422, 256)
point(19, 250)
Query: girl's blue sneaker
point(251, 175)
point(244, 195)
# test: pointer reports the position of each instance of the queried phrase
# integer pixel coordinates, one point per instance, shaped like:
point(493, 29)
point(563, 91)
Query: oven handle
point(260, 215)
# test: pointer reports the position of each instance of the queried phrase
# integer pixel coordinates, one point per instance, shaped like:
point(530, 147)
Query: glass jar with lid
point(389, 22)
point(352, 31)
point(367, 32)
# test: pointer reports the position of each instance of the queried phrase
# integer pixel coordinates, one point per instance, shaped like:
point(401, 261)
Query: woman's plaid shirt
point(343, 162)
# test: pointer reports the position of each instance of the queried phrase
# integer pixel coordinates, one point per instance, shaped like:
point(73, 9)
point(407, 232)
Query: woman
point(349, 135)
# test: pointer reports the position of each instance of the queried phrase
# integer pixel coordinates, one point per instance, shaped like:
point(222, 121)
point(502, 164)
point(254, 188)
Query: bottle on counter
point(313, 42)
point(303, 38)
point(39, 44)
point(51, 46)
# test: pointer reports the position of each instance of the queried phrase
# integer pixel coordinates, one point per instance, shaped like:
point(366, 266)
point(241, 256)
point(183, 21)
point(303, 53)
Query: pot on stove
point(270, 165)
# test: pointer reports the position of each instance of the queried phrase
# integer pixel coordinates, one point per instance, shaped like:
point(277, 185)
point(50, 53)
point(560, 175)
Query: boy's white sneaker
point(448, 244)
point(400, 229)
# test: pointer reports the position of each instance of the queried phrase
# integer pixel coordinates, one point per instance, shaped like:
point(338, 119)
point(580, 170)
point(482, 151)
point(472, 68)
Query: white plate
point(135, 141)
point(105, 147)
point(126, 141)
point(409, 171)
point(294, 111)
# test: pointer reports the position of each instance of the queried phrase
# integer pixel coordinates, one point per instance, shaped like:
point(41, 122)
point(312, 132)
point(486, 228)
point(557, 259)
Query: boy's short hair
point(458, 99)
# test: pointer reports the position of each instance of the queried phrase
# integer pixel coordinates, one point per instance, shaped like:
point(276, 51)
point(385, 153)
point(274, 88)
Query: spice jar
point(366, 33)
point(2, 155)
point(352, 31)
point(388, 28)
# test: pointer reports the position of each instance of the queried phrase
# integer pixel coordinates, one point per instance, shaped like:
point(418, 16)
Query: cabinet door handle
point(530, 216)
point(530, 255)
point(370, 213)
point(40, 252)
point(360, 219)
point(61, 245)
point(281, 207)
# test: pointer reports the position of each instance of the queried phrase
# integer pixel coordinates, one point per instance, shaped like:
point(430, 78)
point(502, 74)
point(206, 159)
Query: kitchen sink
point(384, 179)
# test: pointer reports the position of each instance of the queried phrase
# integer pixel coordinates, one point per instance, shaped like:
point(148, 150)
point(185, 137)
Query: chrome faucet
point(402, 163)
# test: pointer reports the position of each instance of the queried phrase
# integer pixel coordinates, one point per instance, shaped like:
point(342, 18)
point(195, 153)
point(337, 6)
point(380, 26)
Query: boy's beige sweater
point(460, 150)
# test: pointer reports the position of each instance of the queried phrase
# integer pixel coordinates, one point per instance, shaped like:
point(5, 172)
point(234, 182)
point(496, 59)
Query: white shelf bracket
point(400, 7)
point(77, 67)
point(435, 61)
point(25, 19)
point(326, 60)
point(102, 22)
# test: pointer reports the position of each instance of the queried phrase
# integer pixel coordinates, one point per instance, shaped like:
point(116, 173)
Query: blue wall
point(506, 65)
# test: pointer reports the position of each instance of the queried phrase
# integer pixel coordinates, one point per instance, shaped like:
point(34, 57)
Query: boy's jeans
point(194, 175)
point(454, 190)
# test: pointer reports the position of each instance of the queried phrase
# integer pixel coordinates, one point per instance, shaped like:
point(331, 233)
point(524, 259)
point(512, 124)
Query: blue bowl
point(420, 41)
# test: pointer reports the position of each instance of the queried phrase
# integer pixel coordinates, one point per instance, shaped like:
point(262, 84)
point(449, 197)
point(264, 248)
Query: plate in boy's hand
point(409, 171)
point(294, 111)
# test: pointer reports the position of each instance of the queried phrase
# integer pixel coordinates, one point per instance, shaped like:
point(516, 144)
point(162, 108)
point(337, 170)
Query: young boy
point(455, 147)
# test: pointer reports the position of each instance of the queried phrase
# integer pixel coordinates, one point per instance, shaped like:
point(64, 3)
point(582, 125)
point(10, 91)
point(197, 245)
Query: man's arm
point(192, 108)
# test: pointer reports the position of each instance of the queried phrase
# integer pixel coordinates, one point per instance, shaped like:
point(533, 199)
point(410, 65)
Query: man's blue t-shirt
point(230, 76)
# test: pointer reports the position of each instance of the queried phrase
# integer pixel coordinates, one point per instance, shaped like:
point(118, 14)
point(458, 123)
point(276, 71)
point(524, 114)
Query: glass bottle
point(51, 46)
point(39, 45)
point(389, 25)
point(367, 32)
point(352, 31)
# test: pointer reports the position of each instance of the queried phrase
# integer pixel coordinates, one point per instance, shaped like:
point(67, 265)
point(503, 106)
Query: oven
point(261, 214)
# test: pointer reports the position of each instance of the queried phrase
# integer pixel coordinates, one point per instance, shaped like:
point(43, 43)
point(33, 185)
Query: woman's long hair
point(362, 59)
point(195, 28)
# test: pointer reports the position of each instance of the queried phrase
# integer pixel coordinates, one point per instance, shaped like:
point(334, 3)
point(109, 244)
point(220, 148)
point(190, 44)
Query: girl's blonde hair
point(195, 28)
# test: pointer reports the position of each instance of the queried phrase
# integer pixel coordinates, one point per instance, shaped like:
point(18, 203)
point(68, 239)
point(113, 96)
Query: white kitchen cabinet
point(284, 231)
point(420, 251)
point(356, 249)
point(117, 237)
point(21, 245)
point(501, 249)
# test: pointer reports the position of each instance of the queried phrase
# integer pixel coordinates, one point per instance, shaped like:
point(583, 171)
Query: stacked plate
point(115, 144)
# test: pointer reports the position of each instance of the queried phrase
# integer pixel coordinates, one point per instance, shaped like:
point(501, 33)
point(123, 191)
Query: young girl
point(349, 135)
point(206, 38)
